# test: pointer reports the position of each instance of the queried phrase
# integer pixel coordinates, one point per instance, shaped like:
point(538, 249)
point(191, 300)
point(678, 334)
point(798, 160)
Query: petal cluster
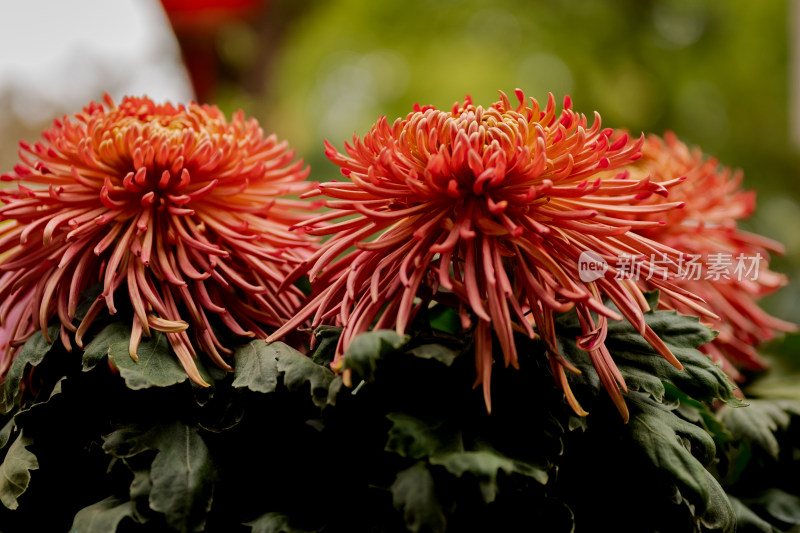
point(707, 228)
point(174, 209)
point(488, 209)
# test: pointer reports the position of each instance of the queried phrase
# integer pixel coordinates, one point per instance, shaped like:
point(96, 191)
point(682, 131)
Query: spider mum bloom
point(490, 208)
point(174, 208)
point(707, 229)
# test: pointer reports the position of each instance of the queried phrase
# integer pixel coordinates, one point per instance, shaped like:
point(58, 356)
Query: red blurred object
point(196, 24)
point(200, 16)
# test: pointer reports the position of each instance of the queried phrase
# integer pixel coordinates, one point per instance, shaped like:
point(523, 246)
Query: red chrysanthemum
point(171, 207)
point(490, 207)
point(707, 229)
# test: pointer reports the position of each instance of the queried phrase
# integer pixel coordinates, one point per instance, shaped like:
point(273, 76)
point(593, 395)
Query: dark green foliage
point(282, 445)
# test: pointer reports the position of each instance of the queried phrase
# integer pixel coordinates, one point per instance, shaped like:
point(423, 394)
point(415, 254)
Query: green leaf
point(32, 354)
point(412, 437)
point(32, 411)
point(274, 523)
point(157, 365)
point(643, 380)
point(414, 493)
point(335, 387)
point(183, 476)
point(782, 507)
point(259, 365)
point(444, 318)
point(699, 413)
point(578, 422)
point(180, 480)
point(485, 465)
point(684, 331)
point(720, 514)
point(700, 378)
point(659, 433)
point(103, 516)
point(299, 369)
point(439, 352)
point(5, 433)
point(327, 337)
point(366, 349)
point(757, 423)
point(747, 520)
point(256, 365)
point(98, 348)
point(15, 472)
point(131, 440)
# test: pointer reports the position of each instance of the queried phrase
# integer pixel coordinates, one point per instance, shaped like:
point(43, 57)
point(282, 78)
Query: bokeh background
point(722, 75)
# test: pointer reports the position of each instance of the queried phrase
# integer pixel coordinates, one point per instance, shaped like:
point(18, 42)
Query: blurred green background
point(719, 74)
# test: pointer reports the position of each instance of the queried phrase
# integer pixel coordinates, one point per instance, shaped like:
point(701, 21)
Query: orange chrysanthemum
point(493, 207)
point(174, 206)
point(707, 229)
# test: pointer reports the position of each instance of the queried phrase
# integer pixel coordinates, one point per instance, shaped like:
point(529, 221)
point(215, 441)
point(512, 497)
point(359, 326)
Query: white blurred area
point(58, 55)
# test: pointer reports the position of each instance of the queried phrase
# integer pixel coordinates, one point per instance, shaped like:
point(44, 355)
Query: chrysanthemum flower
point(490, 207)
point(173, 208)
point(707, 229)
